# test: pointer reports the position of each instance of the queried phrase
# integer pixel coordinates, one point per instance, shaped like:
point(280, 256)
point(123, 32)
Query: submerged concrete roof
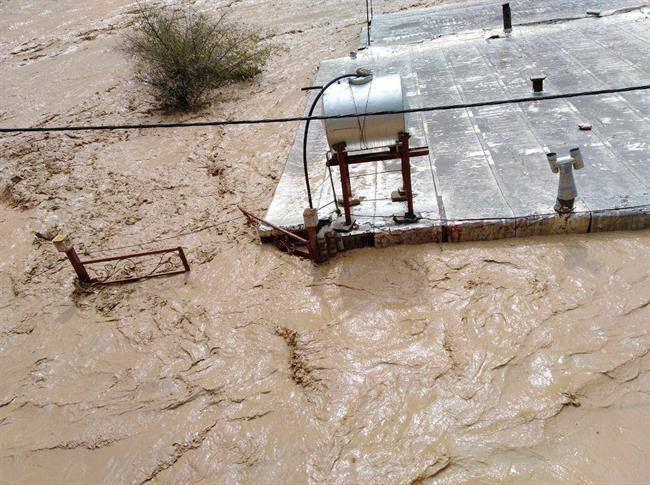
point(487, 175)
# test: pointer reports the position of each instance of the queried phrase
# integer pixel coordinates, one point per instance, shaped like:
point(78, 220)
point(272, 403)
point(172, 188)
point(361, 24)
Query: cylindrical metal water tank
point(364, 95)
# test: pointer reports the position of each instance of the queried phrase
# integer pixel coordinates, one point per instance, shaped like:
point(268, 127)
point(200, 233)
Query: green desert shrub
point(184, 55)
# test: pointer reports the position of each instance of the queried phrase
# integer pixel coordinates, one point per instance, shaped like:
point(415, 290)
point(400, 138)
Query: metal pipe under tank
point(364, 95)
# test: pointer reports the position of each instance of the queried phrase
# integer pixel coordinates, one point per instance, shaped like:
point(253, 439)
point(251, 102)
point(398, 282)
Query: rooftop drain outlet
point(567, 190)
point(538, 83)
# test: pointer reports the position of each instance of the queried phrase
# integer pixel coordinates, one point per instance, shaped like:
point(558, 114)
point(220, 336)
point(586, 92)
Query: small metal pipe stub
point(63, 244)
point(538, 83)
point(310, 218)
point(507, 18)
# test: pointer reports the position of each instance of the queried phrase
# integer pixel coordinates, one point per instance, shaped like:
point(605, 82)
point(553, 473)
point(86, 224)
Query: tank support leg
point(346, 188)
point(406, 172)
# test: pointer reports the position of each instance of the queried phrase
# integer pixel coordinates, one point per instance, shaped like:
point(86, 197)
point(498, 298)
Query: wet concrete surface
point(424, 24)
point(486, 176)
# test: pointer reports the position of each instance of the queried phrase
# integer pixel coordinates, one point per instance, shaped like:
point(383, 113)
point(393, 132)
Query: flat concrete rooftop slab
point(422, 25)
point(487, 175)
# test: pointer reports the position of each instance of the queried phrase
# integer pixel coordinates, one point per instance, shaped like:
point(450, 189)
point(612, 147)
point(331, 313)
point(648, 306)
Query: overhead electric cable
point(190, 124)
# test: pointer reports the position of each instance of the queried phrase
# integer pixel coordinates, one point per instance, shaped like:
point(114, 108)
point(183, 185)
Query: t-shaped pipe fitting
point(567, 190)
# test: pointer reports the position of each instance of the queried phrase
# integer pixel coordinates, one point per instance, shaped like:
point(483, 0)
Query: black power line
point(306, 134)
point(527, 99)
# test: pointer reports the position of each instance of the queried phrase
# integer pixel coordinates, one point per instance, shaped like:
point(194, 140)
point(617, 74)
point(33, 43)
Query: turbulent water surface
point(516, 361)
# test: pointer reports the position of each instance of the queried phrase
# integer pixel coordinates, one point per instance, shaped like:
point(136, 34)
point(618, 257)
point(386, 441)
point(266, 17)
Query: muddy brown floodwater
point(518, 361)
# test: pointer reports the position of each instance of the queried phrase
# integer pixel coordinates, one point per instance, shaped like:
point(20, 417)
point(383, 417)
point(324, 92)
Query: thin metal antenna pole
point(368, 20)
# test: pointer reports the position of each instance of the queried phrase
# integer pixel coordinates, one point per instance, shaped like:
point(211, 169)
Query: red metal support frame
point(126, 272)
point(400, 150)
point(390, 154)
point(139, 255)
point(346, 186)
point(78, 266)
point(63, 244)
point(281, 244)
point(406, 172)
point(153, 273)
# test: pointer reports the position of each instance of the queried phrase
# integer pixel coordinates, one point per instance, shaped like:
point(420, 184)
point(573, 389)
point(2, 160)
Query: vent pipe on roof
point(567, 190)
point(507, 18)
